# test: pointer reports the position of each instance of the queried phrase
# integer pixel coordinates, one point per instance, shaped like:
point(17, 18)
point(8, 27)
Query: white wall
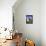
point(6, 13)
point(29, 7)
point(43, 22)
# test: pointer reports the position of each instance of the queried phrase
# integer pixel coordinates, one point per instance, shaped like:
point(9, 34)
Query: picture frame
point(29, 19)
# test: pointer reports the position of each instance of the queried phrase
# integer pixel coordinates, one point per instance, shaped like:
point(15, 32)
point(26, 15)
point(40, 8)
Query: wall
point(43, 22)
point(31, 31)
point(6, 13)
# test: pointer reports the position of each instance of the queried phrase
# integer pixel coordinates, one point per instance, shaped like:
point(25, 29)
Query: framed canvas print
point(29, 19)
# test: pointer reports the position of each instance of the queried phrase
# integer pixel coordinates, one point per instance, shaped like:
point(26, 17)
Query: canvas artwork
point(29, 19)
